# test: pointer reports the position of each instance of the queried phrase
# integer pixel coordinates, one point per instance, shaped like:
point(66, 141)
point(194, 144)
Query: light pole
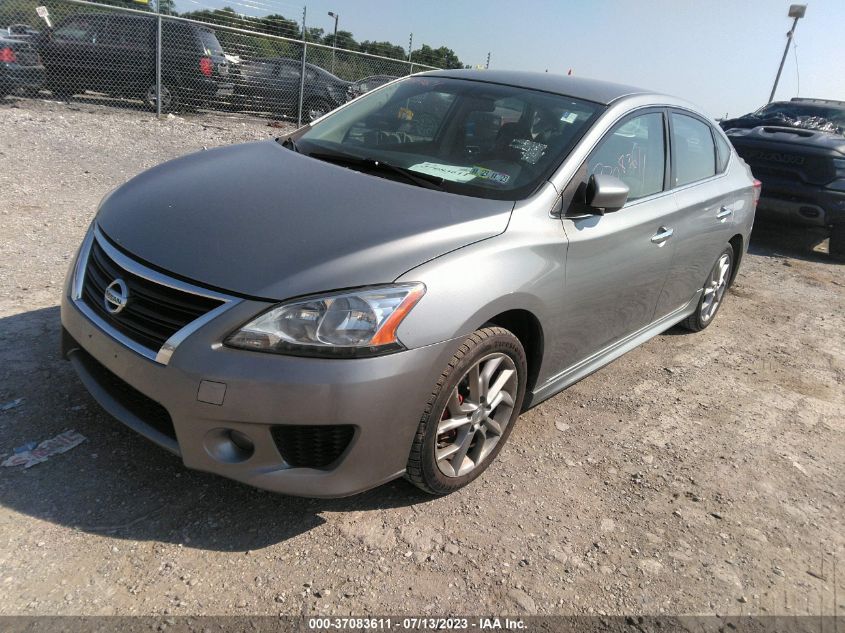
point(795, 11)
point(334, 15)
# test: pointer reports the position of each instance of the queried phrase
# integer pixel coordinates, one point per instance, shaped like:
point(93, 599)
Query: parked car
point(384, 292)
point(116, 54)
point(272, 84)
point(797, 149)
point(357, 88)
point(20, 67)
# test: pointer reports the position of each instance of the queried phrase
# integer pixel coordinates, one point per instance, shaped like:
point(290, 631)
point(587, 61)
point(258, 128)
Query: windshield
point(475, 138)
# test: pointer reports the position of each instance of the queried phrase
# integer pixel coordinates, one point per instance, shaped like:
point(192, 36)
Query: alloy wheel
point(715, 287)
point(166, 98)
point(476, 415)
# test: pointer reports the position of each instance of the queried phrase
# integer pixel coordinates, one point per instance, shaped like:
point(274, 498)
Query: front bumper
point(798, 203)
point(382, 398)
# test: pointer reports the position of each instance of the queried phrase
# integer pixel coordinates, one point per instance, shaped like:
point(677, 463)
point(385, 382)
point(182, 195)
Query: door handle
point(724, 213)
point(661, 236)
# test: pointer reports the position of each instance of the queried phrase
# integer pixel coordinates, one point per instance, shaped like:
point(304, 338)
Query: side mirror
point(605, 193)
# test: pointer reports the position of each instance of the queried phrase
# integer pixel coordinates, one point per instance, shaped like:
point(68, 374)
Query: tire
point(482, 436)
point(837, 242)
point(169, 99)
point(717, 284)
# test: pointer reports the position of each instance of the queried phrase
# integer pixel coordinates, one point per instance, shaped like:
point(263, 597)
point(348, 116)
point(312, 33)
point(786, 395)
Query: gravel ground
point(697, 474)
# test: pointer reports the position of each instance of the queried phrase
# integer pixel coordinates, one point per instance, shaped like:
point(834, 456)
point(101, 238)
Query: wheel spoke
point(496, 388)
point(494, 426)
point(457, 459)
point(450, 424)
point(475, 389)
point(490, 368)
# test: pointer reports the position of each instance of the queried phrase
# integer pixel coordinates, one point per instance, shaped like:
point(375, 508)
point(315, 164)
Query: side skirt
point(593, 363)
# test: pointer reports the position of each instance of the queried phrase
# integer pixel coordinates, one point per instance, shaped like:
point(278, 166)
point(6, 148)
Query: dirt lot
point(698, 474)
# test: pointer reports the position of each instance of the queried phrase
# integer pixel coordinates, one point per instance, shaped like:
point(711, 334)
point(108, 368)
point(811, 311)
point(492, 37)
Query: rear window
point(209, 42)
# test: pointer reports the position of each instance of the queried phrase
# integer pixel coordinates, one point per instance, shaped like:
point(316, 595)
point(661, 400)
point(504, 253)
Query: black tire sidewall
point(501, 341)
point(729, 251)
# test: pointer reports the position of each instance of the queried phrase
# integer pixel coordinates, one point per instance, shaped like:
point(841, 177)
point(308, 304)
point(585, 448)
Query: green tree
point(442, 57)
point(385, 49)
point(345, 40)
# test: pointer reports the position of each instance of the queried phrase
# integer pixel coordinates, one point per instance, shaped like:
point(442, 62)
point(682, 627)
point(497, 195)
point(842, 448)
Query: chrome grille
point(154, 312)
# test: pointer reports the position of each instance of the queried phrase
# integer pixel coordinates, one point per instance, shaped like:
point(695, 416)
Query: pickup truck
point(797, 150)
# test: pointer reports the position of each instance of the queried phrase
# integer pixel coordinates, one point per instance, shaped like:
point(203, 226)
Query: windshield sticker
point(531, 151)
point(569, 117)
point(453, 173)
point(488, 174)
point(405, 114)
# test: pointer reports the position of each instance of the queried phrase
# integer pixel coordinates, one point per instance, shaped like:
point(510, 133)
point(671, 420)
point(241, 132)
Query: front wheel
point(470, 413)
point(713, 292)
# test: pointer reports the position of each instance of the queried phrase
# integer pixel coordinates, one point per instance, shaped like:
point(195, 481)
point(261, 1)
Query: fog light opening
point(229, 446)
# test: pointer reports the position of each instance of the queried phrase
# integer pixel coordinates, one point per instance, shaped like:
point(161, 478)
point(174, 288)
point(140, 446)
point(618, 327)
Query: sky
point(720, 54)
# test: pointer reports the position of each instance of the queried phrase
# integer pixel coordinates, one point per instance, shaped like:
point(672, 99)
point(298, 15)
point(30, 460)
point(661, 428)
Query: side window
point(693, 150)
point(289, 71)
point(79, 29)
point(634, 151)
point(723, 152)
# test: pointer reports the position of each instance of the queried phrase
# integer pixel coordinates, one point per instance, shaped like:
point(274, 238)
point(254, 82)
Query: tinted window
point(289, 71)
point(723, 152)
point(481, 139)
point(81, 29)
point(633, 151)
point(209, 42)
point(694, 154)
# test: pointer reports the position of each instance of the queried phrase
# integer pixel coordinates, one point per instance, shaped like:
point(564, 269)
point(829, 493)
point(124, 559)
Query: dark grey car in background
point(382, 293)
point(272, 84)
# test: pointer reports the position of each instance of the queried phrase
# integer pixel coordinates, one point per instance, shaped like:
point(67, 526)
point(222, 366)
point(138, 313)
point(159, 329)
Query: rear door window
point(634, 152)
point(693, 150)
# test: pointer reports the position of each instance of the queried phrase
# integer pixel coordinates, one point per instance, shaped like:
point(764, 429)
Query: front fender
point(521, 269)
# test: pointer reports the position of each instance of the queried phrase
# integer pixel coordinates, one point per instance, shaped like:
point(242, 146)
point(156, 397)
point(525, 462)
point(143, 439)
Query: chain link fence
point(166, 63)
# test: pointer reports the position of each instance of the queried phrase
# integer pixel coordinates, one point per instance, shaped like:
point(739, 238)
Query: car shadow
point(117, 483)
point(783, 240)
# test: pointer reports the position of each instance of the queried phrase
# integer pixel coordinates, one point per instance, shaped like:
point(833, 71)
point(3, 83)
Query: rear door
point(617, 263)
point(126, 53)
point(69, 52)
point(704, 220)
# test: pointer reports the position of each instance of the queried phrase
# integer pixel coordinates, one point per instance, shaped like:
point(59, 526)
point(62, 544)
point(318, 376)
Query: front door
point(617, 263)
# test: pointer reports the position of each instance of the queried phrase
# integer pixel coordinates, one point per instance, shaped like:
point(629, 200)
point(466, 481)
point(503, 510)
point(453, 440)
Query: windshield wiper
point(372, 164)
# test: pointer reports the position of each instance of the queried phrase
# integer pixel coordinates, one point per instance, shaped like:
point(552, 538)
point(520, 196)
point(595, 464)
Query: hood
point(789, 136)
point(263, 221)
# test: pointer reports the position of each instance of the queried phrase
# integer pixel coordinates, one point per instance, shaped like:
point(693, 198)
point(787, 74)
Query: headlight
point(343, 324)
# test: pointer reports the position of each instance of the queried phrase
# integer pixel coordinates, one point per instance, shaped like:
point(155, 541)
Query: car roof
point(603, 92)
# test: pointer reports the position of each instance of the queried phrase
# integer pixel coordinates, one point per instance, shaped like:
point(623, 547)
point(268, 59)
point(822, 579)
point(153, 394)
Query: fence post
point(158, 58)
point(302, 71)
